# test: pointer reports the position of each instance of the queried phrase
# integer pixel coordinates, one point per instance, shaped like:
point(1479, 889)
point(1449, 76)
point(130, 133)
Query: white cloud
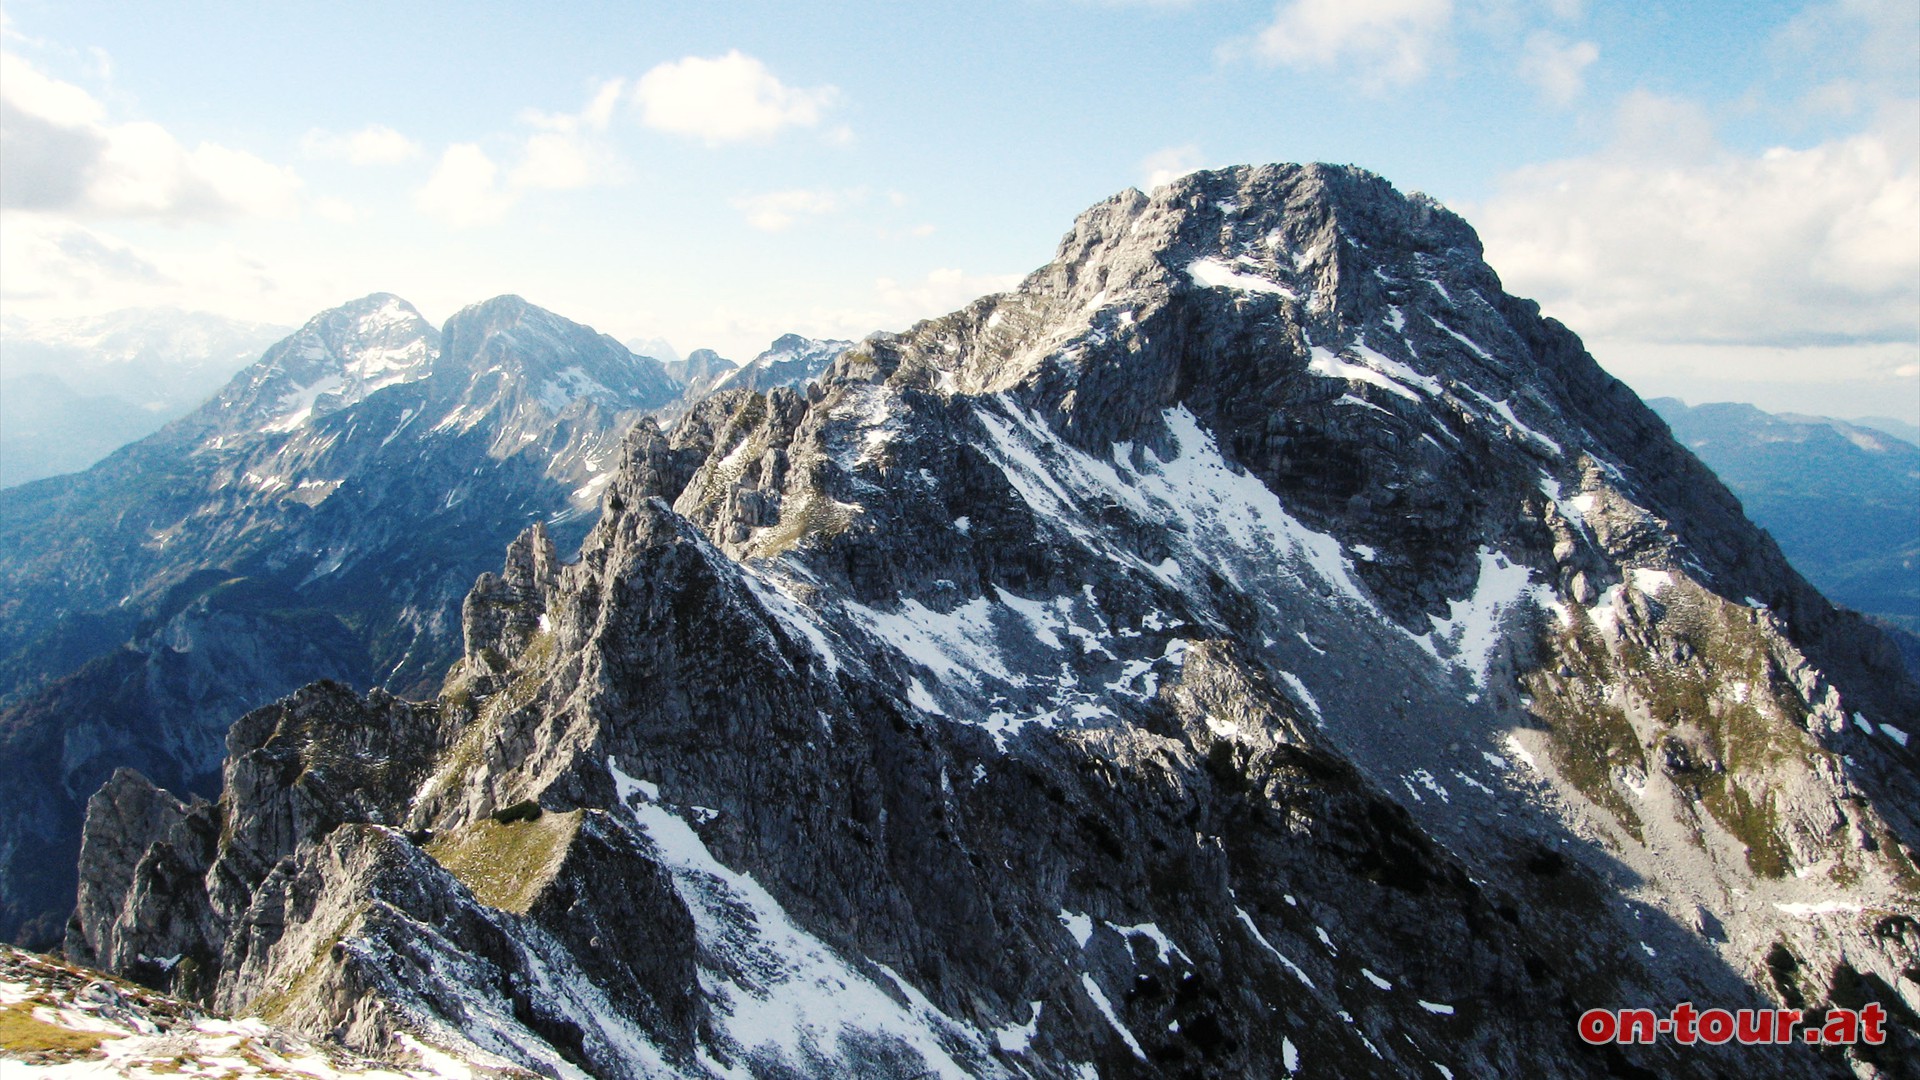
point(567, 151)
point(1788, 247)
point(776, 211)
point(50, 268)
point(1556, 66)
point(892, 305)
point(1880, 379)
point(728, 98)
point(1871, 41)
point(339, 211)
point(559, 161)
point(595, 117)
point(375, 144)
point(60, 154)
point(464, 189)
point(1679, 258)
point(1382, 42)
point(45, 258)
point(1170, 164)
point(943, 290)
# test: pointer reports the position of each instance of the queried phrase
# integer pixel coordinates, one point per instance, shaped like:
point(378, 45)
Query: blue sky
point(1721, 197)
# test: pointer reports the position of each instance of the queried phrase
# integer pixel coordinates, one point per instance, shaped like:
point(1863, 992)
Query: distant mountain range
point(74, 390)
point(323, 515)
point(1843, 499)
point(1898, 428)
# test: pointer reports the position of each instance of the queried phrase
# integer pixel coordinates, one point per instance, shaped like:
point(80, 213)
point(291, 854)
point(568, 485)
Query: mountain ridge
point(1255, 644)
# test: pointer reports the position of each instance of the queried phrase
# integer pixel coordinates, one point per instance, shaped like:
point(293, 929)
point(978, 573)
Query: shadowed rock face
point(1256, 644)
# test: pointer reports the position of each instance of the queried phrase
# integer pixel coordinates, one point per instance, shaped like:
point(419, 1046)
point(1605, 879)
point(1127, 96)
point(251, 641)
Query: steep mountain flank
point(1255, 645)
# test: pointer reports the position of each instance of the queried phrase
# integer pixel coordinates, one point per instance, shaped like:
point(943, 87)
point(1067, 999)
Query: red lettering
point(1784, 1021)
point(1843, 1026)
point(1871, 1017)
point(1754, 1026)
point(1716, 1026)
point(1638, 1025)
point(1598, 1026)
point(1683, 1020)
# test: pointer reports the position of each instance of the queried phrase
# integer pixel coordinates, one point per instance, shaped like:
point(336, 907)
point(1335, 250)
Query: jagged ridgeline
point(1254, 646)
point(321, 517)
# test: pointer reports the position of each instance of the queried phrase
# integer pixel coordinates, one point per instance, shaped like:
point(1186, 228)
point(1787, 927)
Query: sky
point(1720, 197)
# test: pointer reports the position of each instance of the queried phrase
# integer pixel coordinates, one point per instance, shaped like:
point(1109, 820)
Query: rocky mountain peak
point(337, 358)
point(1256, 645)
point(793, 361)
point(507, 341)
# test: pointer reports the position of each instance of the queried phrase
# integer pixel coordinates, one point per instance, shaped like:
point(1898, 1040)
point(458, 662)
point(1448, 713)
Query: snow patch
point(1015, 1038)
point(779, 988)
point(1649, 582)
point(1106, 1009)
point(1306, 697)
point(1212, 273)
point(1472, 630)
point(1161, 943)
point(1325, 364)
point(1824, 907)
point(626, 787)
point(1077, 924)
point(1247, 920)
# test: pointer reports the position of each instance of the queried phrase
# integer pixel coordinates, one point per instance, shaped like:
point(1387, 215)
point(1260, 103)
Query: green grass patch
point(23, 1033)
point(506, 865)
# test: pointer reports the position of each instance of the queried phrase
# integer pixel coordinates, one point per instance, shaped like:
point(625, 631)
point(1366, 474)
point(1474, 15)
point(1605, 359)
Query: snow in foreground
point(69, 1022)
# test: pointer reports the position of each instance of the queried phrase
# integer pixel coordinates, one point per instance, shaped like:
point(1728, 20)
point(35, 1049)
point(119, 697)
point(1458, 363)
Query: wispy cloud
point(1556, 66)
point(1667, 236)
point(464, 189)
point(1381, 43)
point(942, 290)
point(776, 211)
point(1169, 164)
point(566, 151)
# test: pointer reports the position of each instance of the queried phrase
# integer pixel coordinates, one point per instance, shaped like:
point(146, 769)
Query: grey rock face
point(1256, 645)
point(160, 704)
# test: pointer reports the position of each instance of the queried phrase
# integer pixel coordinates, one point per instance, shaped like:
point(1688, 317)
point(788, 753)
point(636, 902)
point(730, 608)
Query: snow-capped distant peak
point(339, 357)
